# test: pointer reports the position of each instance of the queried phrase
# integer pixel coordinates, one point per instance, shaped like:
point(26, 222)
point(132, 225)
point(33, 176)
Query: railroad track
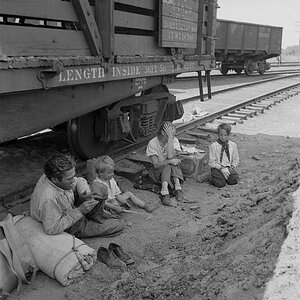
point(240, 86)
point(234, 75)
point(239, 112)
point(198, 127)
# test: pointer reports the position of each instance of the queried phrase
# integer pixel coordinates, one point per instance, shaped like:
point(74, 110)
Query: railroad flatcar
point(246, 46)
point(99, 67)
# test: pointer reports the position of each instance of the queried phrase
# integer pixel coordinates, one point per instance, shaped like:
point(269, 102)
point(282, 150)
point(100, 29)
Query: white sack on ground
point(8, 280)
point(53, 254)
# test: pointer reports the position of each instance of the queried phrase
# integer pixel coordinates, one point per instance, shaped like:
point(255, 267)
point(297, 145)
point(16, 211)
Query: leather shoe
point(179, 195)
point(110, 259)
point(118, 251)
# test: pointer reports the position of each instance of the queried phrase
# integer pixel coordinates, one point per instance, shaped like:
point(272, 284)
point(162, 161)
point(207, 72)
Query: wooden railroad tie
point(259, 105)
point(209, 127)
point(268, 102)
point(276, 97)
point(249, 112)
point(186, 140)
point(238, 115)
point(140, 158)
point(198, 134)
point(257, 109)
point(230, 122)
point(290, 93)
point(237, 119)
point(128, 169)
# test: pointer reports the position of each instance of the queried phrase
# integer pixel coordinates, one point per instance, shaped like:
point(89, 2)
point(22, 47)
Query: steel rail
point(220, 76)
point(232, 88)
point(208, 118)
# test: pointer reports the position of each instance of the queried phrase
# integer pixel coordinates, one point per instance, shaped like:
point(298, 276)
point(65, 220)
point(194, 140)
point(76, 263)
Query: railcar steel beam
point(28, 112)
point(89, 26)
point(27, 78)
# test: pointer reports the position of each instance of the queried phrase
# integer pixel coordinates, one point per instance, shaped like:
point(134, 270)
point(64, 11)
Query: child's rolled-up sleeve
point(213, 158)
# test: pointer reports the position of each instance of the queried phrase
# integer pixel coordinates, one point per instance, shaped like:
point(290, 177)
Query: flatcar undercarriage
point(248, 66)
point(130, 121)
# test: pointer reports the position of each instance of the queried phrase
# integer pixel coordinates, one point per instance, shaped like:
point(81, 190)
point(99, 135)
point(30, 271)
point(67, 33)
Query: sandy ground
point(223, 245)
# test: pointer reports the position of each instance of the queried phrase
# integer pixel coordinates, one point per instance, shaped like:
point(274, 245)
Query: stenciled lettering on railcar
point(95, 74)
point(178, 23)
point(185, 4)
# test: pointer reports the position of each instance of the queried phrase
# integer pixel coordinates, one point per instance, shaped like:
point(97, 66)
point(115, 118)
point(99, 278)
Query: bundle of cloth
point(17, 264)
point(60, 256)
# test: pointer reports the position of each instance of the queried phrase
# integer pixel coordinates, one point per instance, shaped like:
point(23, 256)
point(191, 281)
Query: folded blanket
point(60, 256)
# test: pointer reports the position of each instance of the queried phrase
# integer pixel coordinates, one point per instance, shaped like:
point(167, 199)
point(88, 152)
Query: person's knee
point(217, 178)
point(218, 182)
point(232, 181)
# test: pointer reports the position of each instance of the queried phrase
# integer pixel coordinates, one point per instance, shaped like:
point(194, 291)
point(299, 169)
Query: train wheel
point(262, 67)
point(82, 139)
point(248, 67)
point(238, 71)
point(224, 70)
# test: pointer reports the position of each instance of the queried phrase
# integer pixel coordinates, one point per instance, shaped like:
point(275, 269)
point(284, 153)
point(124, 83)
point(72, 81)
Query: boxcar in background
point(99, 68)
point(246, 46)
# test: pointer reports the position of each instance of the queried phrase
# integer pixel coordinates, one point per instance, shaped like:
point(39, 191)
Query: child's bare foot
point(150, 208)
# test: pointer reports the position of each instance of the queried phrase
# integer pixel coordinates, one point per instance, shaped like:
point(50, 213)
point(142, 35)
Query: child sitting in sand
point(104, 167)
point(223, 158)
point(166, 170)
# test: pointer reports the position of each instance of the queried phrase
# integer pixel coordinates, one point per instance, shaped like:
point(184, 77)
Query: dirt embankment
point(222, 245)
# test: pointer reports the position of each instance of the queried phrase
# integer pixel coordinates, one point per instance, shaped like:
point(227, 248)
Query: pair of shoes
point(118, 251)
point(165, 199)
point(205, 177)
point(179, 195)
point(110, 259)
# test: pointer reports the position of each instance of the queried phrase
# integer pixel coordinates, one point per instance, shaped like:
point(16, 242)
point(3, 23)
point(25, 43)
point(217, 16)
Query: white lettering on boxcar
point(80, 74)
point(125, 71)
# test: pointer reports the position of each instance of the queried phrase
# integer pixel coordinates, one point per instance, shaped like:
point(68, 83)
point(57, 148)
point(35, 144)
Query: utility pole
point(298, 24)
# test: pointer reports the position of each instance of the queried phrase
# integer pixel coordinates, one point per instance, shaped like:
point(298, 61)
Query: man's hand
point(88, 196)
point(225, 172)
point(174, 161)
point(87, 206)
point(125, 202)
point(116, 208)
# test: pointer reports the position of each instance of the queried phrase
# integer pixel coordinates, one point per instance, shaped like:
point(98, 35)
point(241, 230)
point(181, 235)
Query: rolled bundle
point(60, 256)
point(8, 279)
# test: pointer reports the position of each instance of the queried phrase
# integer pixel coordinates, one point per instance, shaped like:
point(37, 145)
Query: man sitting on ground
point(52, 203)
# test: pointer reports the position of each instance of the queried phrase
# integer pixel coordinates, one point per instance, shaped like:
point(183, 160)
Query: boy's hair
point(102, 163)
point(225, 127)
point(57, 165)
point(161, 128)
